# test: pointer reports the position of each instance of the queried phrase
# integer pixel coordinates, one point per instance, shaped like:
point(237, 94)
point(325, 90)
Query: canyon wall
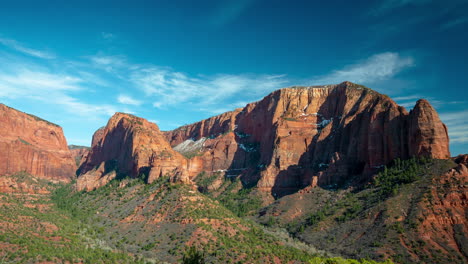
point(35, 146)
point(301, 136)
point(130, 146)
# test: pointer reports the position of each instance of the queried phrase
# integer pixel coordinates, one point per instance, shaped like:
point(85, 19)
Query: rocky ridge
point(307, 136)
point(131, 146)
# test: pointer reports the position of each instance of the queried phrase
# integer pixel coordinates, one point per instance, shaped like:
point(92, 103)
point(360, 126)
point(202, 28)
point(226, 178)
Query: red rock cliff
point(131, 146)
point(33, 145)
point(79, 153)
point(303, 136)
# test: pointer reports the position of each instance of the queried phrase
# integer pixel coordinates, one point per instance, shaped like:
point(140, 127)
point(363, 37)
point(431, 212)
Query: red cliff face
point(131, 146)
point(427, 134)
point(301, 136)
point(33, 145)
point(79, 153)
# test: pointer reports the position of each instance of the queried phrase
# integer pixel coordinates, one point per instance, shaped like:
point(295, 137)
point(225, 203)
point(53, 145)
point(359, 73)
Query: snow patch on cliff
point(190, 145)
point(247, 148)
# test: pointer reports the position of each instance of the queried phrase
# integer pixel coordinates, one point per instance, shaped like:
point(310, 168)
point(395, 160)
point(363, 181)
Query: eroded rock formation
point(33, 145)
point(130, 146)
point(301, 136)
point(79, 153)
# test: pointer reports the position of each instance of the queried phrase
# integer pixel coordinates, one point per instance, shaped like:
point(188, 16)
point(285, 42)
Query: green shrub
point(193, 256)
point(401, 172)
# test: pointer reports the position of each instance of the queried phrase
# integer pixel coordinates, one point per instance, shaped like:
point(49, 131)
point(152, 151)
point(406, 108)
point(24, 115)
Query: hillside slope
point(414, 212)
point(34, 230)
point(160, 220)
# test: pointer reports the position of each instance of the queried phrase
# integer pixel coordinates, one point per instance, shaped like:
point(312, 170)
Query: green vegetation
point(387, 183)
point(77, 147)
point(401, 172)
point(128, 218)
point(385, 213)
point(33, 116)
point(204, 181)
point(232, 195)
point(193, 256)
point(191, 154)
point(24, 141)
point(319, 260)
point(33, 229)
point(221, 235)
point(42, 120)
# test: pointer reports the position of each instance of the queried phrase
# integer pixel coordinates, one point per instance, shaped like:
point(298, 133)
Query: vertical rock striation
point(33, 145)
point(131, 146)
point(301, 136)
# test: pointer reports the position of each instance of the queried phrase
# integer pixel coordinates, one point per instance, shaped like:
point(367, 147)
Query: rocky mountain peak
point(130, 146)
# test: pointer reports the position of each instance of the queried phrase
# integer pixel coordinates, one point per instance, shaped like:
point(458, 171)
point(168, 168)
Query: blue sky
point(75, 63)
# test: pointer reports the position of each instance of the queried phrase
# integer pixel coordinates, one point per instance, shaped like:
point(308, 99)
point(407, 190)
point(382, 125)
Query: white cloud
point(457, 125)
point(454, 23)
point(225, 108)
point(110, 64)
point(228, 11)
point(408, 97)
point(125, 99)
point(13, 44)
point(80, 108)
point(30, 83)
point(378, 67)
point(27, 81)
point(116, 60)
point(407, 105)
point(107, 36)
point(171, 87)
point(409, 101)
point(389, 5)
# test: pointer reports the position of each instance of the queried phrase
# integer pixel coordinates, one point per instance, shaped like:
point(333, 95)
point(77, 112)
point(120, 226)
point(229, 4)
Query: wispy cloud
point(228, 11)
point(409, 101)
point(225, 108)
point(378, 67)
point(26, 79)
point(45, 86)
point(125, 99)
point(408, 97)
point(454, 23)
point(171, 87)
point(457, 125)
point(390, 5)
point(455, 120)
point(13, 44)
point(108, 63)
point(27, 83)
point(108, 36)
